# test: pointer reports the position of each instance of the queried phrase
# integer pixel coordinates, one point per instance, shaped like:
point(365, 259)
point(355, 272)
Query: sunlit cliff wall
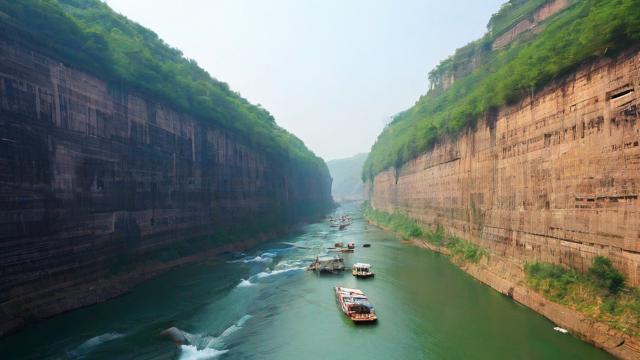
point(102, 187)
point(555, 178)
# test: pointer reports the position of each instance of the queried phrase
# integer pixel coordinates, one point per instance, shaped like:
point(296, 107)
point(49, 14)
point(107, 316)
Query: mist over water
point(263, 305)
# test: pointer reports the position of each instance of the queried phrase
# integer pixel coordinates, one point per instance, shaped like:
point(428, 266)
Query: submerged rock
point(176, 335)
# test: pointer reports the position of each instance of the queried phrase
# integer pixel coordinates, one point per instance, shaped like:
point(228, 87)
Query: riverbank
point(508, 278)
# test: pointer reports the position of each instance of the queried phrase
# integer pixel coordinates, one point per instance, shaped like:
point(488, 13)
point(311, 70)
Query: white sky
point(333, 71)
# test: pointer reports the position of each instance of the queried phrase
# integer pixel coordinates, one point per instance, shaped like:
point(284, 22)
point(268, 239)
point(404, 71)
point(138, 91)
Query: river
point(263, 305)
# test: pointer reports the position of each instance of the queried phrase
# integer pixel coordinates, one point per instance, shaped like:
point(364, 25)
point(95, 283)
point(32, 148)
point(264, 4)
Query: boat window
point(361, 308)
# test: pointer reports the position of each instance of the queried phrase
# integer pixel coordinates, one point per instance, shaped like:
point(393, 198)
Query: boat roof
point(361, 265)
point(350, 291)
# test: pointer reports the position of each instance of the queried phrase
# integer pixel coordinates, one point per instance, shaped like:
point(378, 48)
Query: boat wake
point(267, 274)
point(235, 327)
point(280, 269)
point(95, 341)
point(258, 259)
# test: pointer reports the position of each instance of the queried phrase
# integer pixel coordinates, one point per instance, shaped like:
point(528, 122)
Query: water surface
point(263, 305)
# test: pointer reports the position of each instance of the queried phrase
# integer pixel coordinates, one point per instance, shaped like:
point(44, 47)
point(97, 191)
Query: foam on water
point(244, 283)
point(289, 264)
point(190, 352)
point(207, 347)
point(248, 260)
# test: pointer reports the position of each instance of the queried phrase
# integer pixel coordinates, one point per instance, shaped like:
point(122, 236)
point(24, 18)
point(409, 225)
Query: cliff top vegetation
point(587, 30)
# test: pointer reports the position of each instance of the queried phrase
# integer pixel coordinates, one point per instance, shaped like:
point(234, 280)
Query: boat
point(366, 245)
point(355, 304)
point(332, 265)
point(361, 270)
point(340, 222)
point(351, 246)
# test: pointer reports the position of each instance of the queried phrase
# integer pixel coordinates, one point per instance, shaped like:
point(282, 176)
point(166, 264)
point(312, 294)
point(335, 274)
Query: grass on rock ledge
point(600, 293)
point(461, 250)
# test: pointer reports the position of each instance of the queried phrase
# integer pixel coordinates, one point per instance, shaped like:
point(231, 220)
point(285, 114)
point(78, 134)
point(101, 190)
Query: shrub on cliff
point(605, 275)
point(551, 279)
point(464, 250)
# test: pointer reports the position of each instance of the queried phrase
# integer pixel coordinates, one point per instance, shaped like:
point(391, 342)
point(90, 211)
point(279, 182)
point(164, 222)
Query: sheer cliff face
point(555, 178)
point(101, 188)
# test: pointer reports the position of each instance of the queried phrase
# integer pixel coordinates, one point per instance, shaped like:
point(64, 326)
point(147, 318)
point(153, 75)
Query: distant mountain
point(347, 183)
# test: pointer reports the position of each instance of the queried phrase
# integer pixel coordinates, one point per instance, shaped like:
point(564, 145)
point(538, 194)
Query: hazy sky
point(330, 71)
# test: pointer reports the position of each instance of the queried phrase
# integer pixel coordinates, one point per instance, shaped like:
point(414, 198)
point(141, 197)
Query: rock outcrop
point(102, 187)
point(554, 178)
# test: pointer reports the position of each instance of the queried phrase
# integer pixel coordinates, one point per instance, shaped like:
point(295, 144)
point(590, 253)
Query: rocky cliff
point(102, 187)
point(553, 178)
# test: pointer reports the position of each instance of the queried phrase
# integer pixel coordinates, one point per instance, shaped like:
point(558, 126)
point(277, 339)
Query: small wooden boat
point(361, 270)
point(355, 304)
point(366, 245)
point(351, 246)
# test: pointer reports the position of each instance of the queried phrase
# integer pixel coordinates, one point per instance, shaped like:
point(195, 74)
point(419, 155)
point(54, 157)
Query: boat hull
point(363, 276)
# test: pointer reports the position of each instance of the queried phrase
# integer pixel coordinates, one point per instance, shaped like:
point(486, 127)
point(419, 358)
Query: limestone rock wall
point(555, 178)
point(102, 187)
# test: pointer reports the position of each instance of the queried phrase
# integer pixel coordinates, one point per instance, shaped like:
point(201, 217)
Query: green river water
point(263, 305)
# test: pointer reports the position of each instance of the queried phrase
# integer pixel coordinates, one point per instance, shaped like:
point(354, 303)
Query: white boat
point(361, 270)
